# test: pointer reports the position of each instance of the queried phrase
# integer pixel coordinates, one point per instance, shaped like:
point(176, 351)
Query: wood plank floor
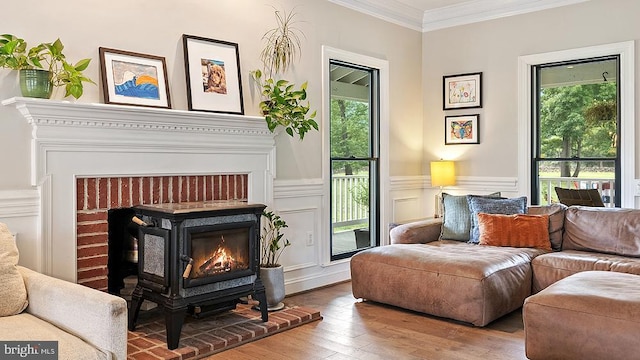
point(352, 329)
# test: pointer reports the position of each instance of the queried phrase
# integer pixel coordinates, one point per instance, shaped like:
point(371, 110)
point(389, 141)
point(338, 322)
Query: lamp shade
point(443, 173)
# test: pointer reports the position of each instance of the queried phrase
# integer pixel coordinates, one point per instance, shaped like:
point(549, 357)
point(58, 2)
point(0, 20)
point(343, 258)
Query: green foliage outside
point(349, 135)
point(578, 121)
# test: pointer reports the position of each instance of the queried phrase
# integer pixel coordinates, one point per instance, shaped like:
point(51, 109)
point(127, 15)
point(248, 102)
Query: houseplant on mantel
point(42, 67)
point(272, 244)
point(283, 104)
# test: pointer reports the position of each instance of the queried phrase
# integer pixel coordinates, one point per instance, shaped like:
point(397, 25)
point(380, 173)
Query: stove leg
point(262, 298)
point(136, 302)
point(174, 318)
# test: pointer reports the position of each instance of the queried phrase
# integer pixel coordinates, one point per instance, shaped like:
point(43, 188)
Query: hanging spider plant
point(282, 44)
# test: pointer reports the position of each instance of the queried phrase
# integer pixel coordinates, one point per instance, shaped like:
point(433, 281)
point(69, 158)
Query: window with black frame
point(576, 142)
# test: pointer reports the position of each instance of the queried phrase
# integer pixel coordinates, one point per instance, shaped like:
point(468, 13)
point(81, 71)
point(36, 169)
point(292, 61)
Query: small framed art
point(213, 75)
point(462, 129)
point(462, 91)
point(130, 78)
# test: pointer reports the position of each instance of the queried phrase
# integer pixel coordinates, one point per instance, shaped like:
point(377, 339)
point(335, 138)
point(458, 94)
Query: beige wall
point(156, 27)
point(493, 47)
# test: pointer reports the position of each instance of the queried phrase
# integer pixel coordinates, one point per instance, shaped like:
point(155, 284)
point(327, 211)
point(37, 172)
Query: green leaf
point(82, 64)
point(74, 90)
point(289, 131)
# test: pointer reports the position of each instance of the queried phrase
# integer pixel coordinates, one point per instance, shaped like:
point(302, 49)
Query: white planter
point(273, 280)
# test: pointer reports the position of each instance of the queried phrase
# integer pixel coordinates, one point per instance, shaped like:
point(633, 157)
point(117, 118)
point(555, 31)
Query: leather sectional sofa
point(478, 283)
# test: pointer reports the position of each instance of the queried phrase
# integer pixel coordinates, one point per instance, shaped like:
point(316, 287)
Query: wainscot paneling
point(20, 209)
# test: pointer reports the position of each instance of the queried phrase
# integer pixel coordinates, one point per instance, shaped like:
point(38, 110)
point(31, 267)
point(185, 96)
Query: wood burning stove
point(197, 258)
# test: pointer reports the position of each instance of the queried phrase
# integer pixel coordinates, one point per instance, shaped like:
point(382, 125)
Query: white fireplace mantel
point(72, 140)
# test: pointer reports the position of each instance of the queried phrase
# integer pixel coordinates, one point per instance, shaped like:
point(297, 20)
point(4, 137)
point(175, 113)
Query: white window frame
point(329, 53)
point(626, 81)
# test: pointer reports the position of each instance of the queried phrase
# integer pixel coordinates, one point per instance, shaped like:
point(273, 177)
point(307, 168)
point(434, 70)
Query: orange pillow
point(517, 230)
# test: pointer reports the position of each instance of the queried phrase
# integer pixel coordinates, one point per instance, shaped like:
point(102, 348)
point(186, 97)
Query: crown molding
point(482, 10)
point(388, 10)
point(460, 14)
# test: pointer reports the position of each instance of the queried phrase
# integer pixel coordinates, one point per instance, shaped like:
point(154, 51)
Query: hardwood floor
point(352, 329)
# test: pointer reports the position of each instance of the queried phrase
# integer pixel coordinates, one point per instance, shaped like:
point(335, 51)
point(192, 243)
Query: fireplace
point(197, 258)
point(123, 156)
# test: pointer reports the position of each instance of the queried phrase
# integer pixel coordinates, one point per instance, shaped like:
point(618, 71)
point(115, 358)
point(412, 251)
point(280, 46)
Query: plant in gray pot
point(272, 244)
point(360, 195)
point(42, 67)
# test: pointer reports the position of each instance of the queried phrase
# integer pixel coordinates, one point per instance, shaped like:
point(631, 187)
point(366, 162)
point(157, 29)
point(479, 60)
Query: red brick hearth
point(95, 196)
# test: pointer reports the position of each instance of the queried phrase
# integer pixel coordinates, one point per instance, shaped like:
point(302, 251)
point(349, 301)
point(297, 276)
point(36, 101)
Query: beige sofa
point(85, 323)
point(478, 284)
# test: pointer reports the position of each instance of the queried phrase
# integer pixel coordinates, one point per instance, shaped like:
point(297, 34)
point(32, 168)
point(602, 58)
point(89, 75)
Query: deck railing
point(345, 192)
point(606, 187)
point(348, 211)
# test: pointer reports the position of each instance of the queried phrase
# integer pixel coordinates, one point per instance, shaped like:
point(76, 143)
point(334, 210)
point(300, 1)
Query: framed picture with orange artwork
point(212, 68)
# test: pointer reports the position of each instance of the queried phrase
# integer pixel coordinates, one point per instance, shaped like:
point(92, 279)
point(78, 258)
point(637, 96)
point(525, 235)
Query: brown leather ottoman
point(588, 315)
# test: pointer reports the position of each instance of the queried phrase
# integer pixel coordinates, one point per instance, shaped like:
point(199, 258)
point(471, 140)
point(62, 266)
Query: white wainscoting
point(20, 209)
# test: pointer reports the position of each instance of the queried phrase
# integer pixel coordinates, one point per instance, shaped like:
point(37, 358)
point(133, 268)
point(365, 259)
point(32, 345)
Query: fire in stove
point(213, 255)
point(220, 262)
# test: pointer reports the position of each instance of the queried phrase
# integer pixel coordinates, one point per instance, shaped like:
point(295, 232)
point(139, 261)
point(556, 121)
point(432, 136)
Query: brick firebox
point(97, 195)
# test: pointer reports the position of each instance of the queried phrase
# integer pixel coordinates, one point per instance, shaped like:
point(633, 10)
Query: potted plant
point(42, 67)
point(272, 244)
point(285, 106)
point(283, 103)
point(360, 194)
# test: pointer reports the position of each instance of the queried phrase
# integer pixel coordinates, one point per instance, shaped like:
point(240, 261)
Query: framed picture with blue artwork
point(462, 129)
point(212, 68)
point(130, 78)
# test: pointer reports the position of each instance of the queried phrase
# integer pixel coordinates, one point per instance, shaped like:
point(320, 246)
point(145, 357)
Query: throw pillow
point(12, 290)
point(479, 204)
point(518, 230)
point(456, 219)
point(556, 221)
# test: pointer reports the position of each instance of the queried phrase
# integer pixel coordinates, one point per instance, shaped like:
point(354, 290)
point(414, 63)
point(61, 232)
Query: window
point(355, 128)
point(527, 116)
point(576, 140)
point(354, 148)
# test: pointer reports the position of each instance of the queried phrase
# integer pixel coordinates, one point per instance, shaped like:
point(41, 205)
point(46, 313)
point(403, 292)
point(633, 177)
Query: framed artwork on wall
point(130, 78)
point(462, 91)
point(462, 129)
point(212, 68)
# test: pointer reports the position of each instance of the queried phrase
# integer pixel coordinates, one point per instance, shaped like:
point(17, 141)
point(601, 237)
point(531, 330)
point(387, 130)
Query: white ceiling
point(429, 15)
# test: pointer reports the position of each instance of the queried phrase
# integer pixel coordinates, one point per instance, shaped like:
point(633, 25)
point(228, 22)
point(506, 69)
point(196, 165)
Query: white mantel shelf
point(64, 114)
point(71, 140)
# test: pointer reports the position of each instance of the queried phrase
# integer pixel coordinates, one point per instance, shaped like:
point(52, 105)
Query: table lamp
point(442, 174)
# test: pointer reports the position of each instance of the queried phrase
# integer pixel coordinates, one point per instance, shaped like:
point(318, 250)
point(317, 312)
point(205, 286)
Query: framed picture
point(462, 129)
point(462, 91)
point(130, 78)
point(213, 75)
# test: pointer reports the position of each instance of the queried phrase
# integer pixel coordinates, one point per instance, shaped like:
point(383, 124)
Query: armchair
point(86, 323)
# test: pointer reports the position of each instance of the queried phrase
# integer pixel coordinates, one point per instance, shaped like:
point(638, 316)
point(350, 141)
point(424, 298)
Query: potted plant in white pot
point(272, 244)
point(42, 67)
point(283, 103)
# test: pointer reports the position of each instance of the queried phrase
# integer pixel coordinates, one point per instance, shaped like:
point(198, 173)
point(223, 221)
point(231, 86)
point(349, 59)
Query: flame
point(220, 261)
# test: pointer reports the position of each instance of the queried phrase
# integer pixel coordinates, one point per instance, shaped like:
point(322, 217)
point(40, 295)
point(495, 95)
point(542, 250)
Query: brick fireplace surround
point(89, 158)
point(96, 196)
